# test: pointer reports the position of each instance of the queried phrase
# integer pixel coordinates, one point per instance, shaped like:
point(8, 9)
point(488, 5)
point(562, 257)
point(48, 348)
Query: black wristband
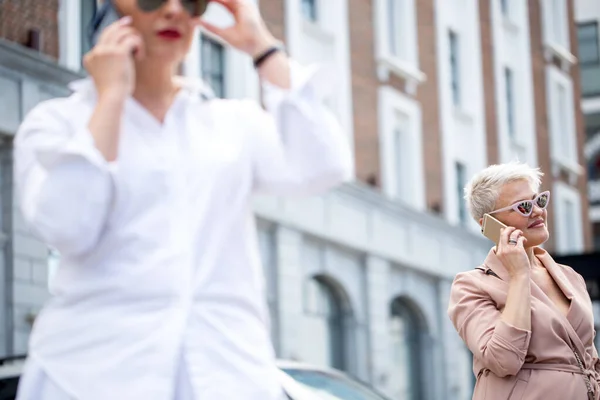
point(266, 54)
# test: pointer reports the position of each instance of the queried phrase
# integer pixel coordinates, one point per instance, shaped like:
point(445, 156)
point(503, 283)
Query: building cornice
point(34, 64)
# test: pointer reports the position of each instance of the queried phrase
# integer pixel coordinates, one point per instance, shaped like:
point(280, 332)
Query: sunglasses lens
point(150, 5)
point(525, 207)
point(542, 201)
point(194, 7)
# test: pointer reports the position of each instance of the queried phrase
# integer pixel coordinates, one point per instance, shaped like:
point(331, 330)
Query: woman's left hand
point(249, 33)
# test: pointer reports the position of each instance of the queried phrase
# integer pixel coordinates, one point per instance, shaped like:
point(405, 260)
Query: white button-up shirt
point(160, 261)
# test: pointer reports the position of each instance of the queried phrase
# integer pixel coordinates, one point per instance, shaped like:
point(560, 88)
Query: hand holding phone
point(111, 61)
point(510, 245)
point(491, 228)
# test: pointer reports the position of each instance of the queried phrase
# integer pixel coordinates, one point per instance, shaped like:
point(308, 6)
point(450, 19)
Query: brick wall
point(364, 91)
point(489, 81)
point(538, 64)
point(428, 96)
point(18, 17)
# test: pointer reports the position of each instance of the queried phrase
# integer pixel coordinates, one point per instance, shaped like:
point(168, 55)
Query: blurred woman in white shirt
point(144, 186)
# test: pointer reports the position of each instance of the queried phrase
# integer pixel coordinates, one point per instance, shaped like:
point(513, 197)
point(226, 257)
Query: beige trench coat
point(516, 364)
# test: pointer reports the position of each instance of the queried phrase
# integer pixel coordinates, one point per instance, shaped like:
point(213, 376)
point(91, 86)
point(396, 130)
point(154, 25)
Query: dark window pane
point(213, 65)
point(88, 9)
point(510, 110)
point(460, 184)
point(454, 67)
point(587, 35)
point(309, 9)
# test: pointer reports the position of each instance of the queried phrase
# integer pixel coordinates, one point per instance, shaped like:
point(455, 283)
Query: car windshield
point(332, 386)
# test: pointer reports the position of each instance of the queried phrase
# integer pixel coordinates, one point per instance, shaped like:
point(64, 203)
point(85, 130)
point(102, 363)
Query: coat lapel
point(493, 263)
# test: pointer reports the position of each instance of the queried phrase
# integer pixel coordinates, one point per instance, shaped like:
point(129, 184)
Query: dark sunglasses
point(194, 7)
point(107, 13)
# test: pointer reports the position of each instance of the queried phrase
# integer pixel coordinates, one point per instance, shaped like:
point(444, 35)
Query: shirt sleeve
point(299, 148)
point(500, 346)
point(64, 185)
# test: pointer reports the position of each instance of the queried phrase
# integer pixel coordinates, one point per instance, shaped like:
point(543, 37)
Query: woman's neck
point(533, 262)
point(154, 83)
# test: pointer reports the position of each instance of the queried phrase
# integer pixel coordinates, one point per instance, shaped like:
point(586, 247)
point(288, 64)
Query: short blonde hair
point(482, 192)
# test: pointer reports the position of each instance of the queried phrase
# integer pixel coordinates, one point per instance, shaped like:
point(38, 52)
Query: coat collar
point(492, 262)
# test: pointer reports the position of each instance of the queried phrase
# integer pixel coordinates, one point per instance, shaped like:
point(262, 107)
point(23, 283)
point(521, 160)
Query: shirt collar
point(193, 86)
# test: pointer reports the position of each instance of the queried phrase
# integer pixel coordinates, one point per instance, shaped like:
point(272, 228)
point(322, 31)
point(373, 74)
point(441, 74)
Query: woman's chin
point(537, 237)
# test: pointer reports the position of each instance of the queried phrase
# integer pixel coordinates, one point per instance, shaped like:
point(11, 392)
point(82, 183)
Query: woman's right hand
point(513, 255)
point(111, 61)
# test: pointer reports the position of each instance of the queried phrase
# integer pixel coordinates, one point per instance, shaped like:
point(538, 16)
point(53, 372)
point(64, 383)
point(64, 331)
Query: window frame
point(563, 192)
point(566, 157)
point(406, 65)
point(391, 103)
point(553, 13)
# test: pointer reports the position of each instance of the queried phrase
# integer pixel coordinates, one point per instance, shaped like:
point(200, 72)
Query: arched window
point(330, 317)
point(407, 337)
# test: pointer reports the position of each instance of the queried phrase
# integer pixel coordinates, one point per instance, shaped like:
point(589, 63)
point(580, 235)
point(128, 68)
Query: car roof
point(288, 364)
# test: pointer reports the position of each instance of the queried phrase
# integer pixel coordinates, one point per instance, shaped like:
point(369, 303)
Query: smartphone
point(491, 228)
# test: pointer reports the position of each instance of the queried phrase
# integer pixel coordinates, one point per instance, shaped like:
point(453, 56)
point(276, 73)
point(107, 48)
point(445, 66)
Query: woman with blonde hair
point(527, 320)
point(144, 185)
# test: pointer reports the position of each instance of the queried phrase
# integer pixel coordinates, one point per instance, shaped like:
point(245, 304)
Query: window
point(562, 125)
point(309, 10)
point(325, 304)
point(568, 216)
point(401, 148)
point(267, 245)
point(406, 336)
point(504, 5)
point(561, 116)
point(395, 27)
point(510, 106)
point(461, 181)
point(570, 226)
point(87, 12)
point(454, 67)
point(53, 265)
point(587, 36)
point(589, 58)
point(592, 125)
point(212, 58)
point(556, 22)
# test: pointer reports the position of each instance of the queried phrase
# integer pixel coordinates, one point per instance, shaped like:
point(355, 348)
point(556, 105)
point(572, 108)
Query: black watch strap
point(261, 58)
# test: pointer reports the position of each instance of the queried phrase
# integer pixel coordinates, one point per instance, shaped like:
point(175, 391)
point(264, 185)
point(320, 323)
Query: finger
point(107, 33)
point(505, 233)
point(515, 234)
point(120, 35)
point(231, 5)
point(521, 241)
